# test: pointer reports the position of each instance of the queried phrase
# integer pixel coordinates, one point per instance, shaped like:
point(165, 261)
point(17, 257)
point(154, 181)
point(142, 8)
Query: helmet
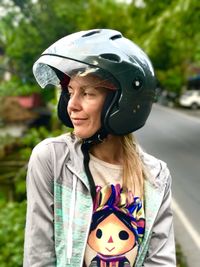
point(106, 53)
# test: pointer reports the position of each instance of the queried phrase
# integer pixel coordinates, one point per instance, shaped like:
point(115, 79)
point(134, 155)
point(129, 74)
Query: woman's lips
point(78, 121)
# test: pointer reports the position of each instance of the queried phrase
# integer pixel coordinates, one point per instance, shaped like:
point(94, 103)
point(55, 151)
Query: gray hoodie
point(59, 208)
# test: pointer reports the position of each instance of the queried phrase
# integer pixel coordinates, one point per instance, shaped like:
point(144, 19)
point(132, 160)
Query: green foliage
point(181, 259)
point(14, 156)
point(172, 79)
point(108, 13)
point(167, 30)
point(5, 143)
point(36, 135)
point(172, 41)
point(12, 223)
point(16, 87)
point(30, 27)
point(12, 214)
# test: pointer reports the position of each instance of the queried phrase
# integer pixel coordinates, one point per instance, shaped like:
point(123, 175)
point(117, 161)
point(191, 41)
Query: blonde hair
point(134, 172)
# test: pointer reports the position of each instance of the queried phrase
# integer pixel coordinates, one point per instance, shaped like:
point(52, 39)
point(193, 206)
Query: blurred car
point(190, 99)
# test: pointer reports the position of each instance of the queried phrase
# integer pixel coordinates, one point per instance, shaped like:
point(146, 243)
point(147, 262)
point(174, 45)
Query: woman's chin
point(82, 135)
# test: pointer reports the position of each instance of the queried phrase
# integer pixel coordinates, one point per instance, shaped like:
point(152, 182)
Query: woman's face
point(85, 104)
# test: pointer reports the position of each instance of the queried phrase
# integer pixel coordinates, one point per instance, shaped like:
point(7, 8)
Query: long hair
point(134, 172)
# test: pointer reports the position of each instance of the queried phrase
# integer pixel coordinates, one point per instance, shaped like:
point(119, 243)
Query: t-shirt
point(117, 224)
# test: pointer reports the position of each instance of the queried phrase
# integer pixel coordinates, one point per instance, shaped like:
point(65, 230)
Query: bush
point(12, 224)
point(16, 87)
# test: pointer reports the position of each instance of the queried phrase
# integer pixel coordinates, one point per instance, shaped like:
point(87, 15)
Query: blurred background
point(168, 31)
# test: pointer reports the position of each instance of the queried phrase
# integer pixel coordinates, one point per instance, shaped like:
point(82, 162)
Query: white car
point(191, 99)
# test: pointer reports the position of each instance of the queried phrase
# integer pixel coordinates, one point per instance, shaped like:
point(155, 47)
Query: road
point(175, 138)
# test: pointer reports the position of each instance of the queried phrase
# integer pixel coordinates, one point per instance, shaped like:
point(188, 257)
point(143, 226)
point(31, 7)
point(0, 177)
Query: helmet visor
point(47, 67)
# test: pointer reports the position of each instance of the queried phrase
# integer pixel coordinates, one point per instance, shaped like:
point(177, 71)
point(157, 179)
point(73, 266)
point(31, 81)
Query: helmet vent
point(91, 33)
point(117, 36)
point(110, 57)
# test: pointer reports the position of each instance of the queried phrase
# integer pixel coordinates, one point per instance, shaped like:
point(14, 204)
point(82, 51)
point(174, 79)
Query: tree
point(172, 39)
point(28, 28)
point(166, 30)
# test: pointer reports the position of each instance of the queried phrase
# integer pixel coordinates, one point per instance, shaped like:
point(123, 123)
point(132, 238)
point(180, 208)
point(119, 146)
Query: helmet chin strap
point(97, 138)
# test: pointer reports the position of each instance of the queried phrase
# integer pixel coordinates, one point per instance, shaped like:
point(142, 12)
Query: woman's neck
point(110, 150)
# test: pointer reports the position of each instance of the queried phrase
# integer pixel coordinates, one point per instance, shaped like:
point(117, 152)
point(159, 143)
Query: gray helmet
point(108, 54)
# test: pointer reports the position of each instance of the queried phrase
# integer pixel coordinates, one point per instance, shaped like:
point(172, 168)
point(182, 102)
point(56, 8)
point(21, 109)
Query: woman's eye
point(70, 93)
point(88, 93)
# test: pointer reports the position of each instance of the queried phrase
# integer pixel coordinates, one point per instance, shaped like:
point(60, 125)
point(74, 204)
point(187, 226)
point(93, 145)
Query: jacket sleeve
point(161, 250)
point(39, 233)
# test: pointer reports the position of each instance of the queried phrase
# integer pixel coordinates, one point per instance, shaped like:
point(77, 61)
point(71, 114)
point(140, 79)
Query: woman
point(95, 198)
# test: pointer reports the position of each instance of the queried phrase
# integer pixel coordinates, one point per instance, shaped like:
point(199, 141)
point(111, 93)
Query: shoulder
point(157, 170)
point(53, 147)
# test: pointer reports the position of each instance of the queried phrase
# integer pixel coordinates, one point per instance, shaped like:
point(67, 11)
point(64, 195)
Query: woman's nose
point(74, 103)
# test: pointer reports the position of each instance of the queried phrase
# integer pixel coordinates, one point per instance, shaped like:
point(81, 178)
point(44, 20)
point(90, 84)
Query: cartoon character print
point(116, 228)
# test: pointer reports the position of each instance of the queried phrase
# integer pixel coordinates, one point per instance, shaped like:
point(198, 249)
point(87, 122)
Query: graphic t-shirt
point(118, 221)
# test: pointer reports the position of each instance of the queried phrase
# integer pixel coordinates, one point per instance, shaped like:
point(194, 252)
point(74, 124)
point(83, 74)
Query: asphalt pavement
point(174, 136)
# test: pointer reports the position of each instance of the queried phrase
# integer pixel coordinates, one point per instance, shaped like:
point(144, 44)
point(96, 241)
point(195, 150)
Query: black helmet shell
point(109, 51)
